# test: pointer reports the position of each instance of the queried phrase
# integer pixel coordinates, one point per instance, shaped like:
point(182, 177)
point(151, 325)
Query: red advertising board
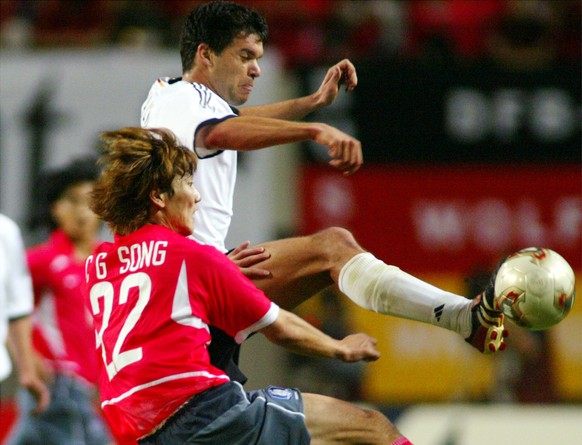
point(449, 218)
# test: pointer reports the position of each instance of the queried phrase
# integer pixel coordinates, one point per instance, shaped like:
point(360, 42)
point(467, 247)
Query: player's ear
point(205, 54)
point(158, 199)
point(56, 211)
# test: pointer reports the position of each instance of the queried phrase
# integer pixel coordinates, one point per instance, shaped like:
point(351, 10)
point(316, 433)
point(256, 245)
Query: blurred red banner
point(452, 218)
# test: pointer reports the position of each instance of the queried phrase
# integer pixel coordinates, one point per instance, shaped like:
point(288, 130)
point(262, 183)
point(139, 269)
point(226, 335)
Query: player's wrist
point(316, 101)
point(314, 130)
point(344, 352)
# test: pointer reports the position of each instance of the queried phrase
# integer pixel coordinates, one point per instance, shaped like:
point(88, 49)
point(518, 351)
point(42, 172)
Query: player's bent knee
point(334, 421)
point(338, 246)
point(339, 237)
point(374, 429)
point(382, 429)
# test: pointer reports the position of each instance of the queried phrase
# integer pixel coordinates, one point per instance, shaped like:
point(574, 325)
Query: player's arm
point(295, 334)
point(20, 345)
point(238, 307)
point(19, 307)
point(247, 133)
point(342, 73)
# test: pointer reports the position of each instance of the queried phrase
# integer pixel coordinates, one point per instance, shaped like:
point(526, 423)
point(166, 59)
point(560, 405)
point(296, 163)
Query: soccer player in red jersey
point(153, 292)
point(63, 335)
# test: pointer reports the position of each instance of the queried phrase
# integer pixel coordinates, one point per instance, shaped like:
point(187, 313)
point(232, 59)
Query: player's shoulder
point(48, 248)
point(174, 240)
point(209, 254)
point(11, 240)
point(175, 244)
point(43, 250)
point(58, 243)
point(103, 247)
point(167, 86)
point(8, 226)
point(202, 256)
point(173, 85)
point(187, 97)
point(202, 93)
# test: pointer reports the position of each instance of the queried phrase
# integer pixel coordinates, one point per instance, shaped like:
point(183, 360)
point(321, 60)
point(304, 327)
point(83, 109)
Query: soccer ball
point(535, 288)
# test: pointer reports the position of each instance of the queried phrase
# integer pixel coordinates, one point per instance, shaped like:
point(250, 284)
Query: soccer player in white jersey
point(153, 292)
point(16, 306)
point(221, 45)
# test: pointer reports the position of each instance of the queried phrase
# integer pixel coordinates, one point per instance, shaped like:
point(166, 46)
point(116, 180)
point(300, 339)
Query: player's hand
point(42, 369)
point(341, 74)
point(246, 258)
point(39, 391)
point(360, 347)
point(345, 151)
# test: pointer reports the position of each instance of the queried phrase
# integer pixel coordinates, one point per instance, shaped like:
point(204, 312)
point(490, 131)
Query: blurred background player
point(16, 306)
point(221, 45)
point(153, 292)
point(63, 335)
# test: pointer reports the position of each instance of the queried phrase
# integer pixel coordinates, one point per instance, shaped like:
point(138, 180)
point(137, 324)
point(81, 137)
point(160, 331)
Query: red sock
point(402, 441)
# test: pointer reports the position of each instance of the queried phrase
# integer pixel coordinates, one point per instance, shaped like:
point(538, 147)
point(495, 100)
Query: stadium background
point(468, 157)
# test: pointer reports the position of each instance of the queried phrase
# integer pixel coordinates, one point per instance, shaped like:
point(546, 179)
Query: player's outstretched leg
point(302, 266)
point(388, 290)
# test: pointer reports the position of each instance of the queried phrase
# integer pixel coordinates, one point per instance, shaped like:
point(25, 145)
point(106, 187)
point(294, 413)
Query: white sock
point(372, 284)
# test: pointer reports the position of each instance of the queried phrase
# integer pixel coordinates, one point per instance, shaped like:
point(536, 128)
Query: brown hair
point(135, 162)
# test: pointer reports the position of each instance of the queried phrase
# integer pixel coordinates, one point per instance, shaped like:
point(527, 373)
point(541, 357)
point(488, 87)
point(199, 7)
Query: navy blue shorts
point(227, 415)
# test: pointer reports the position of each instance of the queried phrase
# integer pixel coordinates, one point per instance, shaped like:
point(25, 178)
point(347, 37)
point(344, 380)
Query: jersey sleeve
point(19, 284)
point(204, 153)
point(234, 303)
point(184, 108)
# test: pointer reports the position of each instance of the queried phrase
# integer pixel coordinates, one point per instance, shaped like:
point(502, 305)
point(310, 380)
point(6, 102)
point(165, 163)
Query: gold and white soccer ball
point(535, 288)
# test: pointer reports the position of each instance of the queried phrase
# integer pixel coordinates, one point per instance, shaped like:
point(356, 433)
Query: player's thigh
point(333, 421)
point(298, 270)
point(302, 266)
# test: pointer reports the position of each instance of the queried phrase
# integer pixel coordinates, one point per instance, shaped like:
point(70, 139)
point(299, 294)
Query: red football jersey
point(153, 294)
point(63, 329)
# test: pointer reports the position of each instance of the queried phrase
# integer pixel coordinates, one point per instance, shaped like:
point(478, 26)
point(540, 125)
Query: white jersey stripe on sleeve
point(267, 319)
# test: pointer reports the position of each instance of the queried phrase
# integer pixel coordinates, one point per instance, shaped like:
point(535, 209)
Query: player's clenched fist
point(344, 150)
point(360, 347)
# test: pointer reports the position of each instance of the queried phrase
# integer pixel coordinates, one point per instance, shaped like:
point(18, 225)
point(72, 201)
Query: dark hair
point(57, 181)
point(135, 162)
point(217, 24)
point(54, 182)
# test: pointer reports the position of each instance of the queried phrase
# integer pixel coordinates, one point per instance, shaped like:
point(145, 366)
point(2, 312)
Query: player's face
point(234, 71)
point(180, 207)
point(72, 214)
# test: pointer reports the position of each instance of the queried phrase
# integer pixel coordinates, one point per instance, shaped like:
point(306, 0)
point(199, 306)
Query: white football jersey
point(16, 297)
point(184, 108)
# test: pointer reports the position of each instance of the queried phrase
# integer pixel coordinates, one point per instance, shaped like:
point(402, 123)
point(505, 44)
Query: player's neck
point(194, 75)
